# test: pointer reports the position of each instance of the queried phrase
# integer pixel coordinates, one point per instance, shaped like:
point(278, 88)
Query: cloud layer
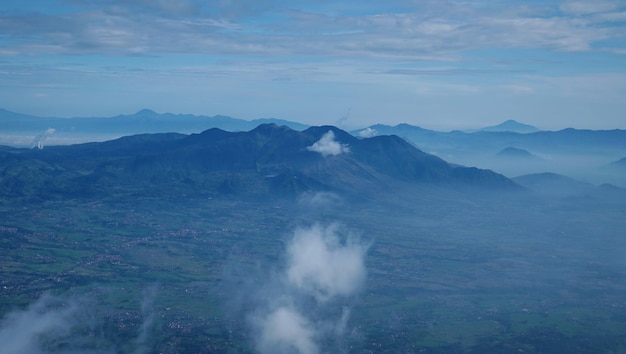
point(396, 29)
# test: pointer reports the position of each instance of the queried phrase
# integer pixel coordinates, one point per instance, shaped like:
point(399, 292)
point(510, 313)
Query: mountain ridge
point(142, 121)
point(267, 160)
point(561, 140)
point(511, 125)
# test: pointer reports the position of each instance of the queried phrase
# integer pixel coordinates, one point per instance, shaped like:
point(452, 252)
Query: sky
point(438, 64)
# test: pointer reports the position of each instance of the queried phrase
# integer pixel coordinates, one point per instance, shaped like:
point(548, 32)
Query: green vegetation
point(481, 279)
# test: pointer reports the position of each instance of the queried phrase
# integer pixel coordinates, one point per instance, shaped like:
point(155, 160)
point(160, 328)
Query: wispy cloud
point(67, 324)
point(589, 7)
point(378, 57)
point(159, 27)
point(48, 320)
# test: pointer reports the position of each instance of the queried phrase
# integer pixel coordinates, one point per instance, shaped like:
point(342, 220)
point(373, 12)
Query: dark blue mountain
point(267, 160)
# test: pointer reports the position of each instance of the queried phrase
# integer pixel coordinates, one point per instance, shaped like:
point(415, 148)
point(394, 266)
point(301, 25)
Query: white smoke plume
point(40, 140)
point(147, 326)
point(321, 269)
point(327, 145)
point(344, 118)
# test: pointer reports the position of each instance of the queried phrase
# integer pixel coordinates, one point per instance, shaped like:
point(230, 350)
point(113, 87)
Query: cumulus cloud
point(321, 268)
point(368, 132)
point(327, 146)
point(320, 264)
point(285, 330)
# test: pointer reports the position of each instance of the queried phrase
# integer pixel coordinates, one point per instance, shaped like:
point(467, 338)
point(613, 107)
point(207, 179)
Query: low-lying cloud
point(328, 146)
point(304, 314)
point(72, 324)
point(285, 330)
point(321, 265)
point(44, 322)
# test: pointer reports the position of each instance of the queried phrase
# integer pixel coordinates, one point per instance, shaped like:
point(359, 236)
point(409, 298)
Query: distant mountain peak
point(619, 163)
point(270, 129)
point(549, 183)
point(514, 152)
point(146, 112)
point(319, 158)
point(511, 126)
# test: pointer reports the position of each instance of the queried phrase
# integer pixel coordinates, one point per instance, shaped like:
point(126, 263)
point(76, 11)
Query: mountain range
point(488, 139)
point(265, 161)
point(583, 154)
point(143, 121)
point(566, 140)
point(510, 126)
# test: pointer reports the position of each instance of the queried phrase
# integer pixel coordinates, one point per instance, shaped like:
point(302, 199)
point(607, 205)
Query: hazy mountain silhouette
point(516, 154)
point(621, 163)
point(511, 126)
point(143, 121)
point(267, 160)
point(566, 141)
point(552, 184)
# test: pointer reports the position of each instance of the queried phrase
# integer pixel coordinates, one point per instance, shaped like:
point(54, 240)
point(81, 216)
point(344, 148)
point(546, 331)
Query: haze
point(439, 64)
point(231, 176)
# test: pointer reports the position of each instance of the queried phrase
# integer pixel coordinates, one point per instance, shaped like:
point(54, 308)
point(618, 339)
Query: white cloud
point(588, 7)
point(617, 16)
point(54, 324)
point(295, 313)
point(429, 28)
point(368, 132)
point(285, 330)
point(327, 146)
point(46, 319)
point(319, 264)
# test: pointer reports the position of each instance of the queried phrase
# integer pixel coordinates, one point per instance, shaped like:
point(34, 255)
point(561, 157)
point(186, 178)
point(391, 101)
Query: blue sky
point(437, 64)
